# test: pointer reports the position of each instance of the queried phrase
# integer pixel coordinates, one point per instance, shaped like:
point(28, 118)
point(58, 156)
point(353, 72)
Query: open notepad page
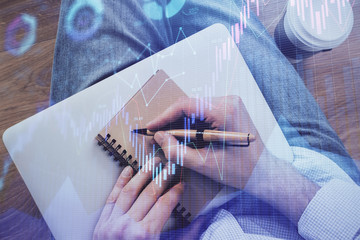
point(54, 151)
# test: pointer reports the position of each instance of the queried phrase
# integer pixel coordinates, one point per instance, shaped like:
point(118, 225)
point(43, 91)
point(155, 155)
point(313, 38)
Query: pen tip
point(140, 131)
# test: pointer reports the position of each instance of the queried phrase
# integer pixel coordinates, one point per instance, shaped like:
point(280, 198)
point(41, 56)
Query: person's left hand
point(136, 209)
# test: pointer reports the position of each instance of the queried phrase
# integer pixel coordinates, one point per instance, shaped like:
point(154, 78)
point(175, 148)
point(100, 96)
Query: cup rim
point(315, 41)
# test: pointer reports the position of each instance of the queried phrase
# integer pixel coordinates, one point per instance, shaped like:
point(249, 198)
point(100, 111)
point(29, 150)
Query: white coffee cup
point(317, 25)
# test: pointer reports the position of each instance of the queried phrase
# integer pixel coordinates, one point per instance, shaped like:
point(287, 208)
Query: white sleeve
point(333, 213)
point(317, 167)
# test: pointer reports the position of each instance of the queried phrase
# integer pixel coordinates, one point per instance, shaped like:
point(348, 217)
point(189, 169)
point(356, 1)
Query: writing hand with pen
point(253, 169)
point(223, 161)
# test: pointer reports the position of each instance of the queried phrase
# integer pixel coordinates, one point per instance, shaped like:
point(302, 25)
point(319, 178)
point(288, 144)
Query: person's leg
point(297, 112)
point(97, 38)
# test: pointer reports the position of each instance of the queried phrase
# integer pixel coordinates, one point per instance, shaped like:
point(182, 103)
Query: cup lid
point(320, 23)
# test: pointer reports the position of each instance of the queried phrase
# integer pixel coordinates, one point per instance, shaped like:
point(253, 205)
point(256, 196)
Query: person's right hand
point(274, 181)
point(230, 165)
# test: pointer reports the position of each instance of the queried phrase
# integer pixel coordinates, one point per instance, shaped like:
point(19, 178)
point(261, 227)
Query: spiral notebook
point(130, 148)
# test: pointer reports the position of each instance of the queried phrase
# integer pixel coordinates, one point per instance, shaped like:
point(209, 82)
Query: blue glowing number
point(83, 19)
point(153, 10)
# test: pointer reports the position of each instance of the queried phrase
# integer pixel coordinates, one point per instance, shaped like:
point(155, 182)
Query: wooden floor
point(25, 84)
point(24, 91)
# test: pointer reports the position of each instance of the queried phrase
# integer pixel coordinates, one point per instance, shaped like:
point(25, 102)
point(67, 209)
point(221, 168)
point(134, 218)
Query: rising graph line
point(257, 35)
point(116, 61)
point(136, 80)
point(150, 51)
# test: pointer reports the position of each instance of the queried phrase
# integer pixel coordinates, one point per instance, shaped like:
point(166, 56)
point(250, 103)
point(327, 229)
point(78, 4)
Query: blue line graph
point(257, 34)
point(136, 80)
point(148, 50)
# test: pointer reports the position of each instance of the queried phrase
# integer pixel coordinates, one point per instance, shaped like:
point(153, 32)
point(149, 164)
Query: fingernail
point(127, 172)
point(159, 137)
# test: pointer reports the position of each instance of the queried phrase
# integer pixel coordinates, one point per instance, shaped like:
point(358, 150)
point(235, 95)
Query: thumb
point(178, 153)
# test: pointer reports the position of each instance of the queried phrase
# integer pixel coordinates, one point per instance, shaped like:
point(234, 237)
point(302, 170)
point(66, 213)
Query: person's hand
point(136, 209)
point(275, 181)
point(228, 164)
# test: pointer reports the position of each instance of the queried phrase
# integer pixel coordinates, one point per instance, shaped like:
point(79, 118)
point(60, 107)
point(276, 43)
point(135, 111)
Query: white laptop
point(54, 150)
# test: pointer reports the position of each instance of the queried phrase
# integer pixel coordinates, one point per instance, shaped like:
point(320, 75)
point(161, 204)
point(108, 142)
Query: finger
point(149, 196)
point(161, 211)
point(131, 191)
point(183, 106)
point(188, 157)
point(123, 179)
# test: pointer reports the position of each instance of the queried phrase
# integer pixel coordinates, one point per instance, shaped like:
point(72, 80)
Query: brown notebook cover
point(129, 148)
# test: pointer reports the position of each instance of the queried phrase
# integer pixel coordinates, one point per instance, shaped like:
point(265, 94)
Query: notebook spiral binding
point(121, 156)
point(125, 160)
